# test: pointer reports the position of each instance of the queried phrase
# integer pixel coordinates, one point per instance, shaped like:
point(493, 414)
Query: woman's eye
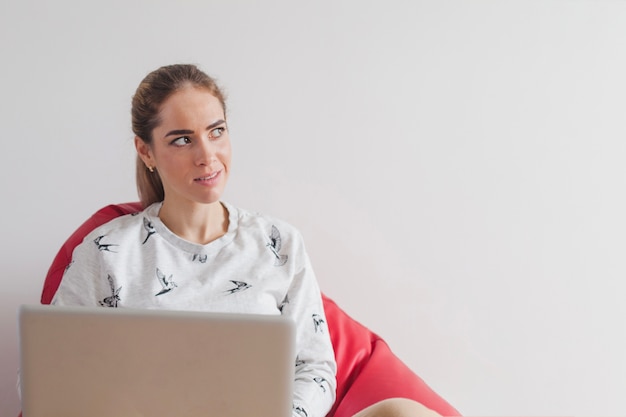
point(182, 141)
point(217, 132)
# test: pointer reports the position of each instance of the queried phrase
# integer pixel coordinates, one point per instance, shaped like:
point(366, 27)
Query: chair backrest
point(367, 370)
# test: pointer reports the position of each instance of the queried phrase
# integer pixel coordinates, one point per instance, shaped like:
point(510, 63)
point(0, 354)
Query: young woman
point(188, 250)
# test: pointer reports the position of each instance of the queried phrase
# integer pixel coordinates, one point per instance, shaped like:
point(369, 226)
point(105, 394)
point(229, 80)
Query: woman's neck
point(197, 223)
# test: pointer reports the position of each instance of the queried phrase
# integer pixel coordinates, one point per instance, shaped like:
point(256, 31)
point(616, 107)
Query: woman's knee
point(397, 407)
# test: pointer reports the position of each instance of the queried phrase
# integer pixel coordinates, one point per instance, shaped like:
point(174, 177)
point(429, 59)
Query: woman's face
point(190, 147)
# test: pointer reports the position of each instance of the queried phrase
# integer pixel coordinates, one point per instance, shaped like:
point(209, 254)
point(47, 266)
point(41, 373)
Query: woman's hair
point(152, 92)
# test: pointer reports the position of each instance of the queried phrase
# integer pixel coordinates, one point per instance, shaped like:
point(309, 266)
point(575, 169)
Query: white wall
point(456, 167)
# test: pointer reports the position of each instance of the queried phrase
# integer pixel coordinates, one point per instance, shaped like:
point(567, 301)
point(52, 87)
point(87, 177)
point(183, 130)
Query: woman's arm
point(315, 382)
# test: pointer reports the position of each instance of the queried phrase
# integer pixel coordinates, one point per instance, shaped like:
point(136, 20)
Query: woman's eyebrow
point(178, 132)
point(215, 124)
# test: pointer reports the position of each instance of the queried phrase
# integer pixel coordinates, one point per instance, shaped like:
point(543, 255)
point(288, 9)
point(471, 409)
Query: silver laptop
point(104, 362)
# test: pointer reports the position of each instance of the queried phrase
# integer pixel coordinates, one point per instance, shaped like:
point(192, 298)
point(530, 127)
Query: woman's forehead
point(191, 104)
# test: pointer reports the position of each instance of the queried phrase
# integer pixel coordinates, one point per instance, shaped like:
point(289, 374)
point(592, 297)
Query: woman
point(188, 250)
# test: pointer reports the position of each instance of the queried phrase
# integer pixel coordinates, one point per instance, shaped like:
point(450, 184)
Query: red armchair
point(367, 370)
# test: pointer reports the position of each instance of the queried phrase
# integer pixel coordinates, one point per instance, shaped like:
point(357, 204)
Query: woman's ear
point(145, 152)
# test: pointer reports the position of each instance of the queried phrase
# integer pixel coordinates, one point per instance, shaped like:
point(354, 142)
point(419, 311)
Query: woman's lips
point(208, 178)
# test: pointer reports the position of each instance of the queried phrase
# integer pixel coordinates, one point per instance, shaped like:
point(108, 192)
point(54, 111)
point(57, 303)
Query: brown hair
point(153, 90)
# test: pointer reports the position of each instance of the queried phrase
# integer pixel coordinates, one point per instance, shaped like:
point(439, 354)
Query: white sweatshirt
point(259, 266)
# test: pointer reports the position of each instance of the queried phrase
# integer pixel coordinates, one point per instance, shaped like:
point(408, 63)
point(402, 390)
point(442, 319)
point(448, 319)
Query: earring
point(151, 169)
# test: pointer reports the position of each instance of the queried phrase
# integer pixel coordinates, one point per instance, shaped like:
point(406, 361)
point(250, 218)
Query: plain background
point(456, 168)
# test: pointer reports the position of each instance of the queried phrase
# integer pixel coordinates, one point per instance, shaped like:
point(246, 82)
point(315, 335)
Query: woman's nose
point(205, 153)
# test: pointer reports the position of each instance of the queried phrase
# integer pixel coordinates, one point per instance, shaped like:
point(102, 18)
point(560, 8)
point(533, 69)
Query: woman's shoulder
point(123, 225)
point(249, 220)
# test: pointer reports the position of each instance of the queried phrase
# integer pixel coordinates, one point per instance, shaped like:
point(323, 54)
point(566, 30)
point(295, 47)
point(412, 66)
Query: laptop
point(106, 362)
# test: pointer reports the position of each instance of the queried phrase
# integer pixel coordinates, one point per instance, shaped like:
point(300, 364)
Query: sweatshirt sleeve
point(315, 382)
point(84, 282)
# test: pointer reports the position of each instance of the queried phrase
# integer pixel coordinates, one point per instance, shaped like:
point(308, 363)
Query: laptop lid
point(103, 362)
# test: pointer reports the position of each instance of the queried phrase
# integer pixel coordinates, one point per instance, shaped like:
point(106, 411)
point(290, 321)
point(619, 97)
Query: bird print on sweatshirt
point(166, 282)
point(147, 224)
point(199, 258)
point(282, 305)
point(275, 244)
point(114, 298)
point(103, 247)
point(239, 286)
point(68, 266)
point(300, 411)
point(318, 321)
point(320, 382)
